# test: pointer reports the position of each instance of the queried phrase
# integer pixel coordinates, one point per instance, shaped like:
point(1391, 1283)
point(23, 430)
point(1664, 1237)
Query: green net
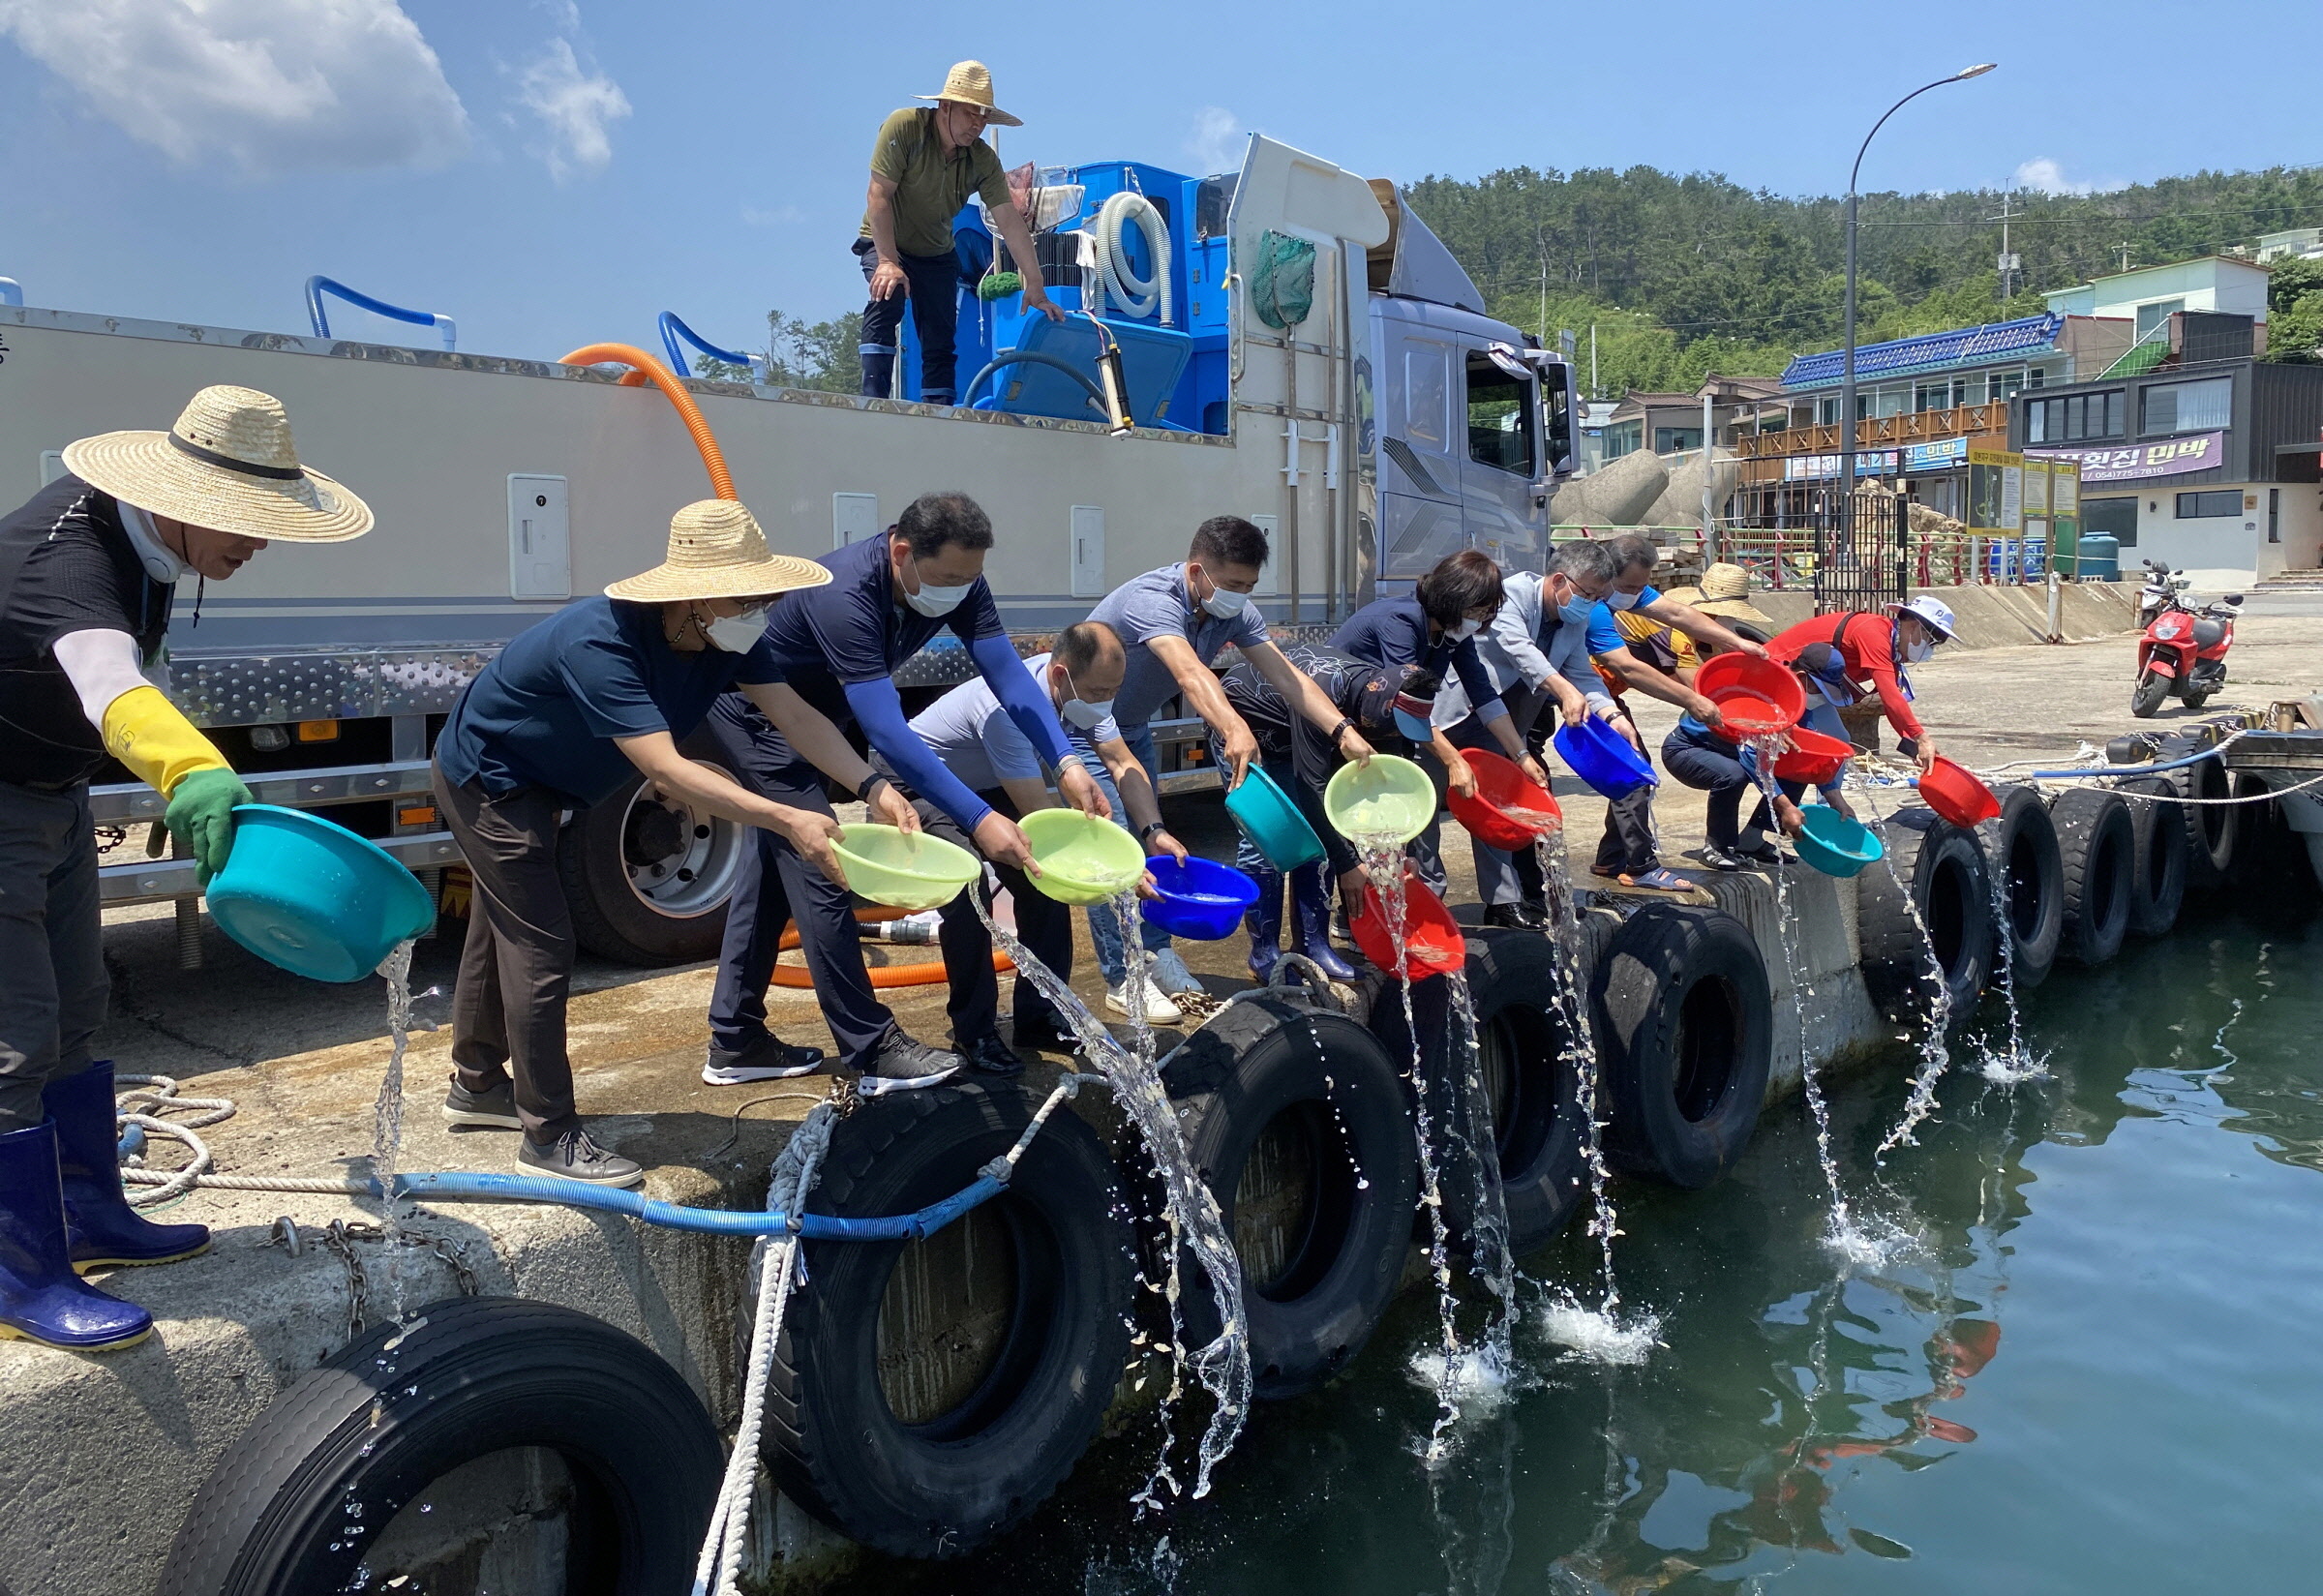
point(1283, 284)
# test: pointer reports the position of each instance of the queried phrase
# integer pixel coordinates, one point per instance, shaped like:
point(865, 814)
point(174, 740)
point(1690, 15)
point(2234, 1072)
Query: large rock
point(1679, 502)
point(1614, 495)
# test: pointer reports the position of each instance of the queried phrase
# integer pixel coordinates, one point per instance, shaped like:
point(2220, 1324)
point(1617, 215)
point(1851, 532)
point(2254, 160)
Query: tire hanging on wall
point(298, 1503)
point(1531, 1091)
point(1295, 1118)
point(1686, 1030)
point(2212, 828)
point(931, 1456)
point(2020, 847)
point(1943, 869)
point(2157, 856)
point(2099, 845)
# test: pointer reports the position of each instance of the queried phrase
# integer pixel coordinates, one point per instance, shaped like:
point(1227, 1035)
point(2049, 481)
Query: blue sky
point(552, 174)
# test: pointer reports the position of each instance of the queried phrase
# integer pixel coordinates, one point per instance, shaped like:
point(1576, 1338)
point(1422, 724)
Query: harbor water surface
point(2090, 1362)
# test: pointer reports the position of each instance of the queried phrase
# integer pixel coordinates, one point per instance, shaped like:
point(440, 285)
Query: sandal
point(1658, 880)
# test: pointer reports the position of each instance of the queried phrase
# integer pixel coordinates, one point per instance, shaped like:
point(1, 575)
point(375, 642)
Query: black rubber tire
point(1944, 869)
point(609, 918)
point(1315, 1090)
point(491, 1374)
point(2212, 829)
point(946, 1484)
point(2196, 701)
point(2020, 847)
point(1685, 1035)
point(2100, 843)
point(2157, 856)
point(2152, 688)
point(1532, 1093)
point(2272, 879)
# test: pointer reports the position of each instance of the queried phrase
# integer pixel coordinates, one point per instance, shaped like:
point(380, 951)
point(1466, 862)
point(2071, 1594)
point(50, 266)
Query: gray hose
point(1018, 357)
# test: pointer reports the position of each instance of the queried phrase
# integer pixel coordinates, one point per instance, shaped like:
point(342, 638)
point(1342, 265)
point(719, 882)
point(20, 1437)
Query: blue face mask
point(1413, 727)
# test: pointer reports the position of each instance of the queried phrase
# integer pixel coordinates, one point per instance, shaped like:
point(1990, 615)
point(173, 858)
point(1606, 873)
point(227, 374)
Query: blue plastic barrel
point(2100, 557)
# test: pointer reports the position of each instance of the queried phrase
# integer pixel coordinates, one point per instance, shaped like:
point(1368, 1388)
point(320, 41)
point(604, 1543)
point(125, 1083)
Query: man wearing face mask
point(1844, 658)
point(564, 716)
point(1173, 622)
point(840, 647)
point(972, 733)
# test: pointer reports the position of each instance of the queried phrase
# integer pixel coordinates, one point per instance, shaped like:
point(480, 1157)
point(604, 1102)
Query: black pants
point(1627, 846)
point(1707, 761)
point(1043, 924)
point(935, 302)
point(52, 980)
point(776, 887)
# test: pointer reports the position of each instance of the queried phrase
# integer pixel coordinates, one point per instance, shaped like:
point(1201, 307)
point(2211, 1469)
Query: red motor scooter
point(2184, 650)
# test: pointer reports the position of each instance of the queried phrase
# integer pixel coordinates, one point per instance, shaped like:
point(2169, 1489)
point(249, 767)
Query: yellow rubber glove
point(145, 732)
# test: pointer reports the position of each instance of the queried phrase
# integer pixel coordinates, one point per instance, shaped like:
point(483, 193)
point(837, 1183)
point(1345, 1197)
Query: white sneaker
point(1169, 973)
point(1158, 1009)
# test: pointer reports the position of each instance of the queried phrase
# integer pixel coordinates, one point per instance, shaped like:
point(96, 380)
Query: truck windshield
point(1500, 417)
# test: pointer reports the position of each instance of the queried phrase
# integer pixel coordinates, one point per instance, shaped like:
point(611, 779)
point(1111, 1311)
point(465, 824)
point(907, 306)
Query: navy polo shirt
point(544, 711)
point(827, 639)
point(1394, 631)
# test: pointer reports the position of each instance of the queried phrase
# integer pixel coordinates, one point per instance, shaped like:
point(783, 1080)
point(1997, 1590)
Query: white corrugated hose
point(1133, 295)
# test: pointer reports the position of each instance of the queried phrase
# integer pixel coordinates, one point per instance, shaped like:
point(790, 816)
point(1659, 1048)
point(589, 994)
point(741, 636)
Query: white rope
point(160, 1094)
point(793, 1177)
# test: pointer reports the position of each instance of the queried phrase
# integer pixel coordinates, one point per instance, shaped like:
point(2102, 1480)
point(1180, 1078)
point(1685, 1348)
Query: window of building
point(2070, 420)
point(1624, 437)
point(2210, 505)
point(1500, 417)
point(1931, 396)
point(2185, 406)
point(2153, 315)
point(2114, 517)
point(2005, 385)
point(1670, 440)
point(1826, 412)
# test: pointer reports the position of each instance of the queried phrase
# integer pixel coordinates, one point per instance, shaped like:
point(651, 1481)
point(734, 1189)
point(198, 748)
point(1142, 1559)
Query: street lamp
point(1847, 381)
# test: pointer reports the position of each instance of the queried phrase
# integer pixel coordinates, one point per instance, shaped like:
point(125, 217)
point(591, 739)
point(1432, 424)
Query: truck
point(1287, 342)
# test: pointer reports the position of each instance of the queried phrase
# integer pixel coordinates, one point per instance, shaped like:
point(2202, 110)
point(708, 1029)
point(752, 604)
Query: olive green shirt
point(931, 183)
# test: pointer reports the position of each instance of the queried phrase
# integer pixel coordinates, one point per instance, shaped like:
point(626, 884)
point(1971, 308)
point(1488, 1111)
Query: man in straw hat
point(565, 715)
point(89, 570)
point(924, 164)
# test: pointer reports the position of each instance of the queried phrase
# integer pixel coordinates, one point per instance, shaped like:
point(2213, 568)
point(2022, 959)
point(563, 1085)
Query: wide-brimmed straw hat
point(970, 84)
point(716, 551)
point(229, 465)
point(1725, 592)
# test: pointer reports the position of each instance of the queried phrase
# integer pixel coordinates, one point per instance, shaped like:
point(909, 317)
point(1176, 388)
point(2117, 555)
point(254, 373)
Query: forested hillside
point(1684, 276)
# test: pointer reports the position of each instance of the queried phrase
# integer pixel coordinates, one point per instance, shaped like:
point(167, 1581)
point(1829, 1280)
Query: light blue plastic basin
point(312, 897)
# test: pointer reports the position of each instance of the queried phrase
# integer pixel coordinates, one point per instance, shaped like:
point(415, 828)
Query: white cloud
point(577, 109)
point(269, 85)
point(2043, 174)
point(1217, 141)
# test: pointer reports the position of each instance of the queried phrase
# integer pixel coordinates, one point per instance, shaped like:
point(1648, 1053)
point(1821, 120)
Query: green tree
point(821, 355)
point(2295, 311)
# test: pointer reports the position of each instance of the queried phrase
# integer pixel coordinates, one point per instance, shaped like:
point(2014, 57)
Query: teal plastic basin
point(311, 897)
point(1835, 845)
point(1271, 821)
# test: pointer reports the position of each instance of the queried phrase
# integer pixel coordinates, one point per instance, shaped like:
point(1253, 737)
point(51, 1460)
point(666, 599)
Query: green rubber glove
point(201, 817)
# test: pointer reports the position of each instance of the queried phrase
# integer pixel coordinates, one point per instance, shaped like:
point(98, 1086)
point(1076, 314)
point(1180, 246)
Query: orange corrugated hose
point(887, 977)
point(643, 369)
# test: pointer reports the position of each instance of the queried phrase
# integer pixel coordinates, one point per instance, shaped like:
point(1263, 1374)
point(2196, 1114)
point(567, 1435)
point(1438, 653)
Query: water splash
point(387, 1118)
point(1596, 1335)
point(1478, 1148)
point(1934, 1057)
point(2014, 1064)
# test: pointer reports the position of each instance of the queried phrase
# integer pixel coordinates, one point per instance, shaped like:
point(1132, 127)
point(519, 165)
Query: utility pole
point(2123, 246)
point(1594, 391)
point(2010, 262)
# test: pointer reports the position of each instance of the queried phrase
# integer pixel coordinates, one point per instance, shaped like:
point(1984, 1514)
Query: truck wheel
point(647, 878)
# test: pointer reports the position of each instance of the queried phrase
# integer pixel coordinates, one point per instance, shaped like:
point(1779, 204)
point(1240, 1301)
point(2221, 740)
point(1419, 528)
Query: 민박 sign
point(2201, 452)
point(1935, 457)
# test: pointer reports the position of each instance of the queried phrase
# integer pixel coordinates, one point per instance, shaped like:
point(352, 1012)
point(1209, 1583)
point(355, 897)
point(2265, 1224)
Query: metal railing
point(318, 286)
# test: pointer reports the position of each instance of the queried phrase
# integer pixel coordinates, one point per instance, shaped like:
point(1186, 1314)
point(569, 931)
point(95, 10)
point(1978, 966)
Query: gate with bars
point(1852, 556)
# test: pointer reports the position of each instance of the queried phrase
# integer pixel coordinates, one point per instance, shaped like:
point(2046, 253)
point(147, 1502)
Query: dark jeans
point(776, 887)
point(1043, 924)
point(935, 302)
point(515, 968)
point(1707, 761)
point(52, 980)
point(1627, 847)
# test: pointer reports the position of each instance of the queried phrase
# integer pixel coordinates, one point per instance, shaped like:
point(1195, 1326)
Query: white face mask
point(737, 634)
point(1617, 599)
point(1467, 628)
point(1084, 713)
point(931, 600)
point(1915, 652)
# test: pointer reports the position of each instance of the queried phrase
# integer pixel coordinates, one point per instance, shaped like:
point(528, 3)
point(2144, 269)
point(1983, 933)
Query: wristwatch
point(869, 785)
point(1145, 832)
point(1345, 724)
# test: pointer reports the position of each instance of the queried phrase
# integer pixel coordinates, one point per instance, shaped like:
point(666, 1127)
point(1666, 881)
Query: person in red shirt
point(1860, 657)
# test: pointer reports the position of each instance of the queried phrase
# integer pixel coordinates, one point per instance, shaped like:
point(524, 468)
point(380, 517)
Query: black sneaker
point(574, 1157)
point(901, 1065)
point(495, 1109)
point(1517, 917)
point(765, 1059)
point(990, 1056)
point(1039, 1033)
point(1766, 852)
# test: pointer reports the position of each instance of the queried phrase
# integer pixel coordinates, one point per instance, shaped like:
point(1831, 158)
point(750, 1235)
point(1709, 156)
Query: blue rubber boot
point(41, 1299)
point(1313, 901)
point(1264, 922)
point(100, 1229)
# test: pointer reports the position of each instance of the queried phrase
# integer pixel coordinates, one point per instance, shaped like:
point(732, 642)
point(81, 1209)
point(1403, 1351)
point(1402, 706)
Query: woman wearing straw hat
point(924, 164)
point(563, 716)
point(89, 568)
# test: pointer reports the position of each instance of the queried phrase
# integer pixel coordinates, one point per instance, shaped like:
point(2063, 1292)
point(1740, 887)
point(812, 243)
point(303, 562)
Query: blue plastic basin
point(1271, 821)
point(1603, 758)
point(312, 897)
point(1201, 901)
point(1835, 845)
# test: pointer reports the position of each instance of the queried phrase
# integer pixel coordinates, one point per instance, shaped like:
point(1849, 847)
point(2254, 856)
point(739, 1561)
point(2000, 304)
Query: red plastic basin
point(1953, 792)
point(1502, 784)
point(1812, 759)
point(1754, 696)
point(1433, 945)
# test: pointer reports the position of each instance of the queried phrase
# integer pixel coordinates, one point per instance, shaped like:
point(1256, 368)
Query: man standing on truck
point(564, 716)
point(924, 164)
point(840, 647)
point(89, 570)
point(1173, 622)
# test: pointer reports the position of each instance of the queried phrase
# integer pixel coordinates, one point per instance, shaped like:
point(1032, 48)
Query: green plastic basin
point(908, 870)
point(1081, 860)
point(1390, 796)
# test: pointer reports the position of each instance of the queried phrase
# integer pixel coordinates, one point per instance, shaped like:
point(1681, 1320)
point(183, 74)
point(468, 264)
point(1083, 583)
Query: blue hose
point(715, 1222)
point(318, 286)
point(2133, 769)
point(673, 329)
point(1037, 357)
